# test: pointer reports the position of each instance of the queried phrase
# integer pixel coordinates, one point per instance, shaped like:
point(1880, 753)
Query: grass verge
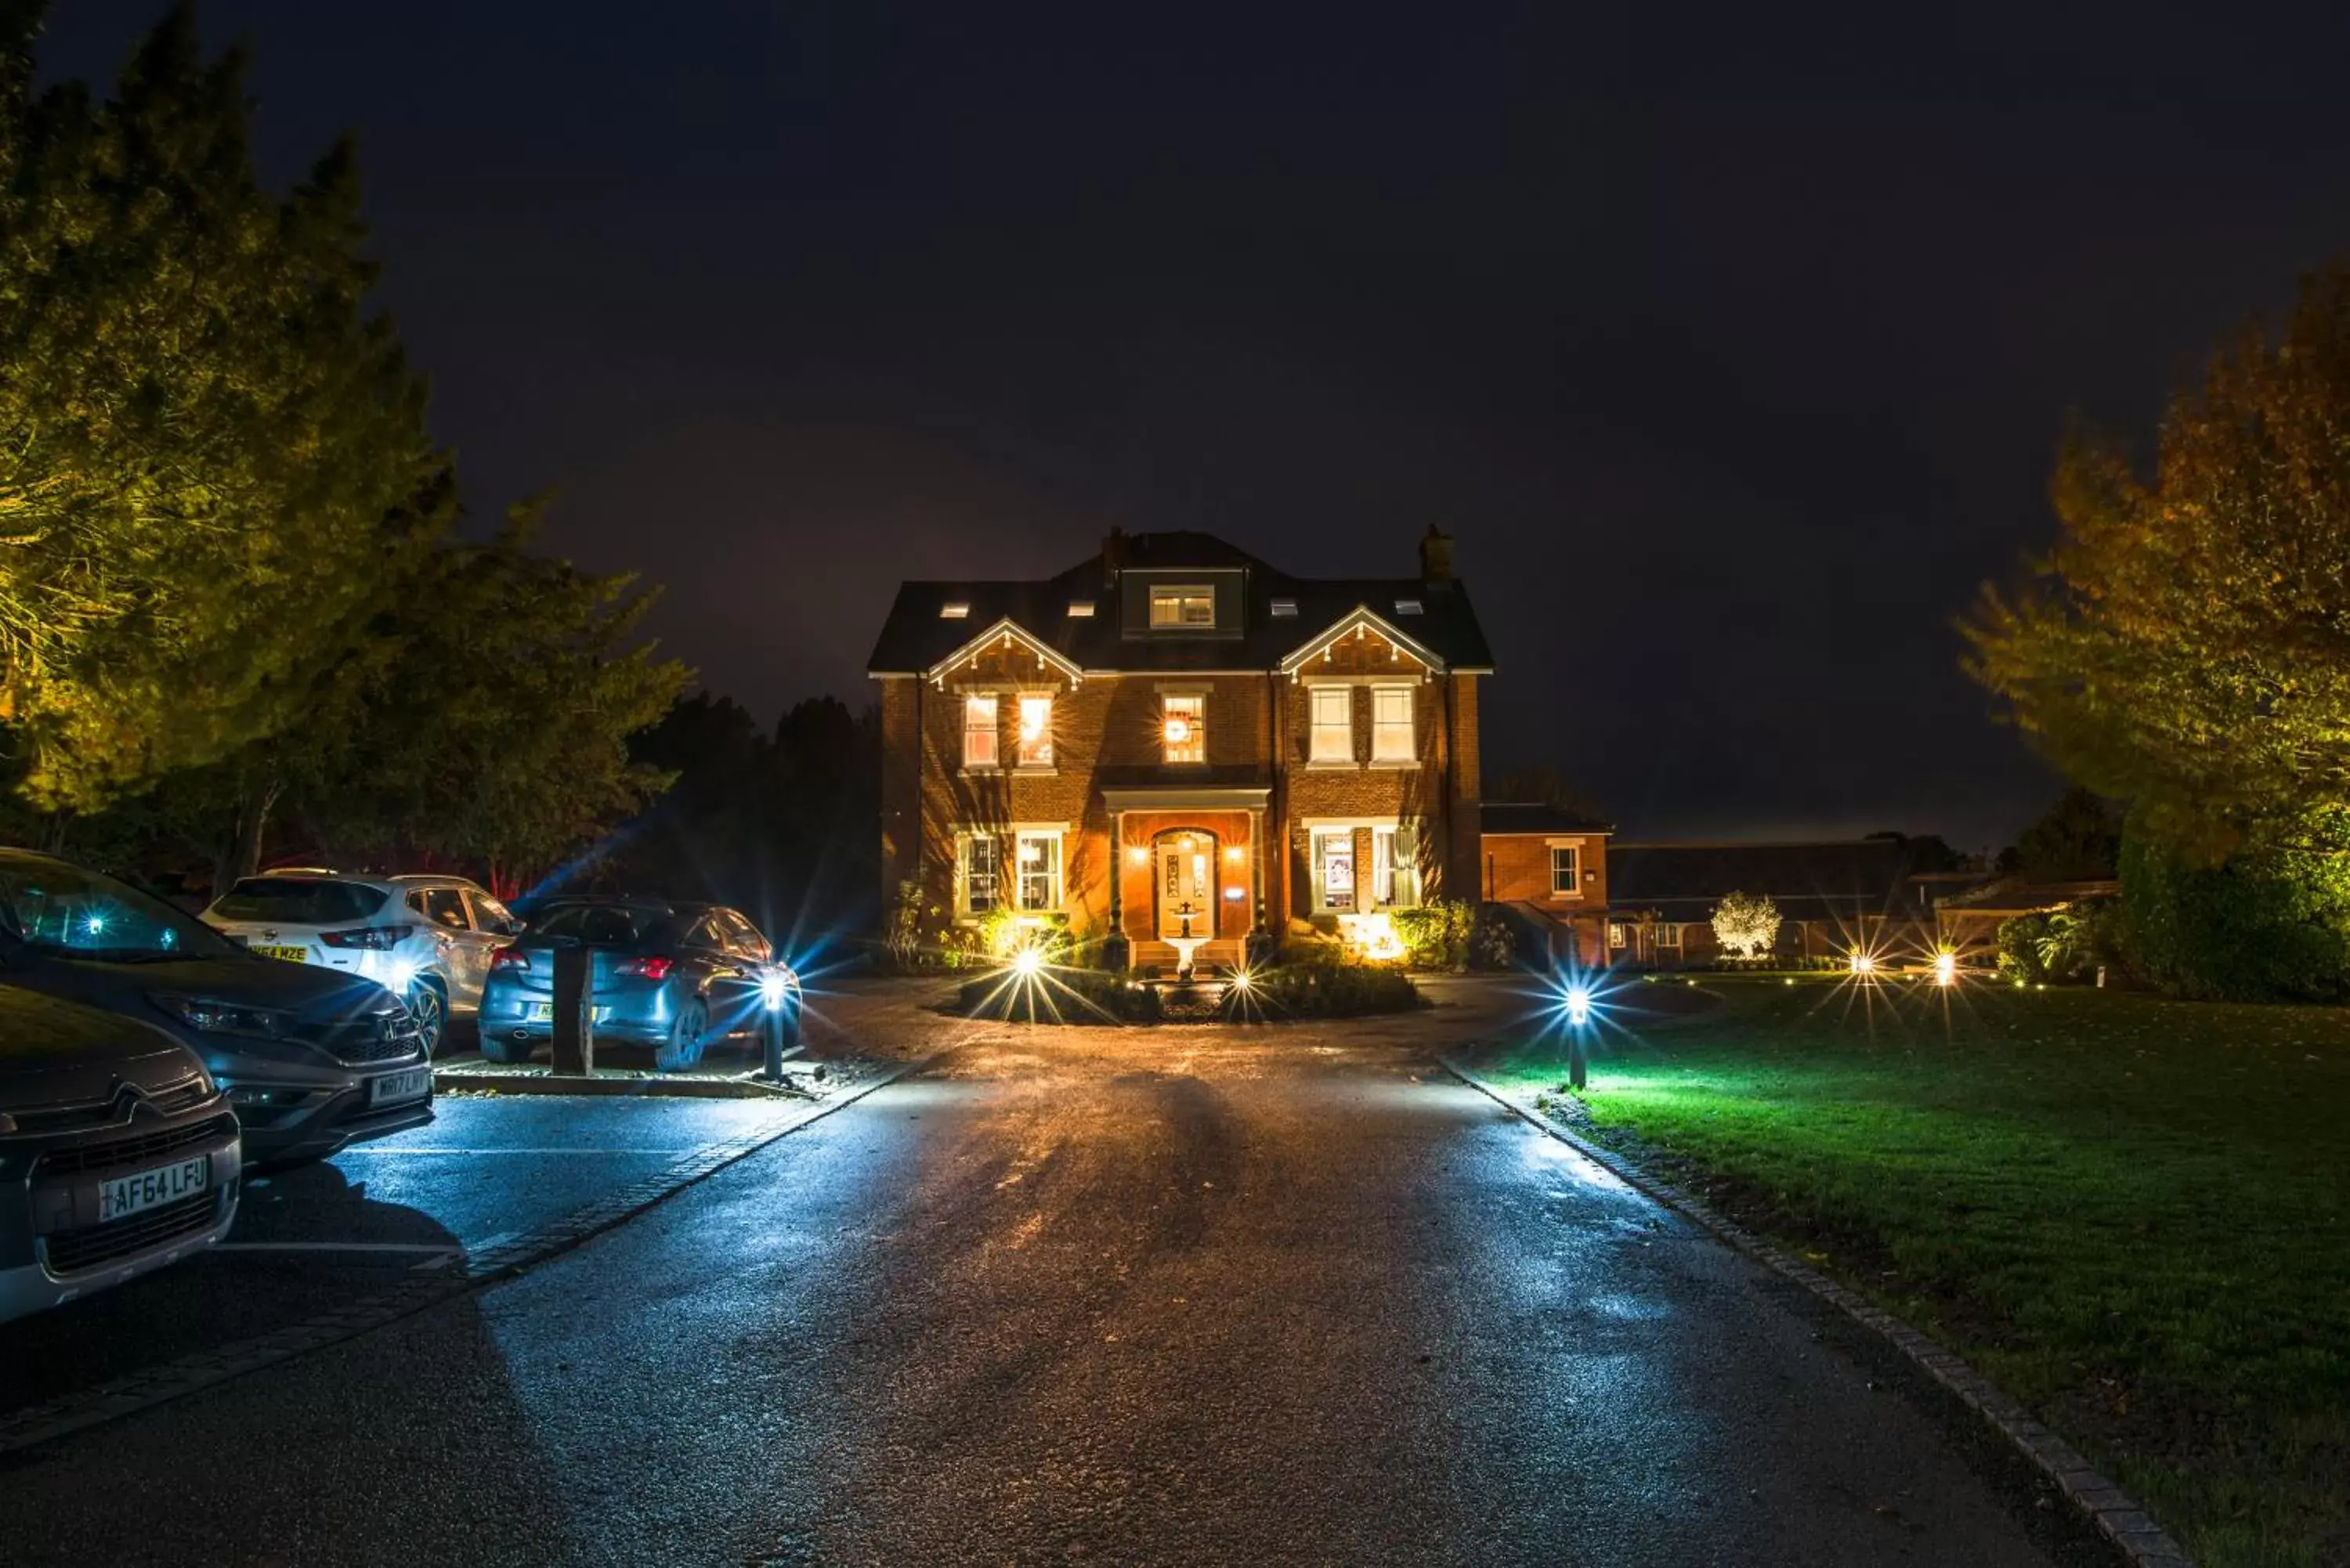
point(2130, 1212)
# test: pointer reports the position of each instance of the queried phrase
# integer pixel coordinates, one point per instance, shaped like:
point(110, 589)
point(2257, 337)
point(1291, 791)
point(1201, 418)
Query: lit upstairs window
point(1035, 732)
point(1180, 608)
point(1180, 725)
point(1391, 740)
point(955, 609)
point(979, 734)
point(1330, 734)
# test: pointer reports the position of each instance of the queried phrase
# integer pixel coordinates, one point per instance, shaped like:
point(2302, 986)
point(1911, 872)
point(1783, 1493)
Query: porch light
point(1138, 855)
point(1946, 968)
point(1233, 854)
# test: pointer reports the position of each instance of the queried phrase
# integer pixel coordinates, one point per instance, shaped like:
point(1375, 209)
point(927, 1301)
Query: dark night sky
point(1732, 347)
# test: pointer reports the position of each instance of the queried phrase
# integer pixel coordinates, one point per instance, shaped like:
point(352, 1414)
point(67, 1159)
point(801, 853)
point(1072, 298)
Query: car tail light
point(376, 939)
point(653, 968)
point(510, 958)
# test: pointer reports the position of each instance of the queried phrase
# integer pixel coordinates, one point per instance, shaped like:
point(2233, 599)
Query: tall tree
point(2186, 645)
point(214, 461)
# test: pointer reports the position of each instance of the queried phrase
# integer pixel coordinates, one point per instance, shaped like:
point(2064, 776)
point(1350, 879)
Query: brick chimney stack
point(1436, 557)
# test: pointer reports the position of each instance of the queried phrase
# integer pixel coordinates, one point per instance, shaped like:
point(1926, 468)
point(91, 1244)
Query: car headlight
point(224, 1017)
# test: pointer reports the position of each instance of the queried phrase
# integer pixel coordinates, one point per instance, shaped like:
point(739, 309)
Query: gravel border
point(2117, 1515)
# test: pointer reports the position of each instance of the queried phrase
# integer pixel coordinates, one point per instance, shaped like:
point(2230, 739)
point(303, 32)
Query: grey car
point(118, 1152)
point(312, 1059)
point(679, 977)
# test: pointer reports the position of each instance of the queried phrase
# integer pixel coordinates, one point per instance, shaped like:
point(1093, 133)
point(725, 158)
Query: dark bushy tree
point(214, 459)
point(2077, 839)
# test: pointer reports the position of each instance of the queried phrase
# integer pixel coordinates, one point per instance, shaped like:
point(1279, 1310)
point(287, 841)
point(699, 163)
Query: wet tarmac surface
point(1141, 1296)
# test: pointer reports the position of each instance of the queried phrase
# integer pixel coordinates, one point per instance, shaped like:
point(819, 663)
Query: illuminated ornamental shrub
point(1746, 925)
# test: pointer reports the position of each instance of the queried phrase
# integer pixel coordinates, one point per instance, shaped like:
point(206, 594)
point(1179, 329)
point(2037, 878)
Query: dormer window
point(955, 609)
point(1406, 607)
point(1284, 610)
point(1185, 606)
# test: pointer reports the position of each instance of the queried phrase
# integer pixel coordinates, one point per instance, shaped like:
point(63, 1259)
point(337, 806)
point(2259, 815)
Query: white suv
point(428, 940)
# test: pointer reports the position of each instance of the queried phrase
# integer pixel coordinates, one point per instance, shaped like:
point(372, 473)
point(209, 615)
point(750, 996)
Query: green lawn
point(2130, 1212)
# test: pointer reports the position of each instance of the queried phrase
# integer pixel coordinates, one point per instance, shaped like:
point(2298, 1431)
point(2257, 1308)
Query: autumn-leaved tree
point(214, 459)
point(2184, 647)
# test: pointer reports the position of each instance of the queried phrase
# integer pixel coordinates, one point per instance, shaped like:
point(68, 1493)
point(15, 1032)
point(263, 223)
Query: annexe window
point(1035, 732)
point(979, 732)
point(1331, 736)
point(982, 868)
point(1186, 605)
point(1566, 871)
point(1181, 727)
point(1334, 867)
point(1039, 854)
point(1391, 737)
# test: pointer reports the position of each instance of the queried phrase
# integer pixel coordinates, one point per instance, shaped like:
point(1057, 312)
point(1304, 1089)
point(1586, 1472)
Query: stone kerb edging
point(2117, 1515)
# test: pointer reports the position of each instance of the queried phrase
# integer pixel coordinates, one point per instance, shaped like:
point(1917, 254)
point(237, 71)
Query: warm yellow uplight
point(1374, 935)
point(1028, 960)
point(1863, 964)
point(1946, 969)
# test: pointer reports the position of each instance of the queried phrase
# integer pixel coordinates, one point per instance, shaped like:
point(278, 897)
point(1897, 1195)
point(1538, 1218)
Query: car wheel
point(682, 1049)
point(498, 1049)
point(430, 1011)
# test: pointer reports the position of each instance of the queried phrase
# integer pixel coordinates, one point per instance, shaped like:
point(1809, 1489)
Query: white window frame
point(1395, 740)
point(1395, 866)
point(1180, 599)
point(965, 883)
point(1320, 863)
point(989, 754)
point(1573, 853)
point(1328, 740)
point(1192, 705)
point(1047, 842)
point(1038, 752)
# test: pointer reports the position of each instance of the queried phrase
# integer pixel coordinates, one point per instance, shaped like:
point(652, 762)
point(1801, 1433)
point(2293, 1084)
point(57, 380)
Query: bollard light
point(1578, 1004)
point(1946, 969)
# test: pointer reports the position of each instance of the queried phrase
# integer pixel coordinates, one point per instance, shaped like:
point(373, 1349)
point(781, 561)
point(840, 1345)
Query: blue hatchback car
point(679, 977)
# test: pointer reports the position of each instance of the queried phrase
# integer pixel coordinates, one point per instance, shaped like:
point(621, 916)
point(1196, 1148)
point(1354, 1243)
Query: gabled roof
point(1009, 629)
point(1362, 615)
point(915, 639)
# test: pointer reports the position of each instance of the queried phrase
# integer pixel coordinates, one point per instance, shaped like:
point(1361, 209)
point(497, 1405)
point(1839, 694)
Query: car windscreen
point(55, 908)
point(298, 901)
point(607, 924)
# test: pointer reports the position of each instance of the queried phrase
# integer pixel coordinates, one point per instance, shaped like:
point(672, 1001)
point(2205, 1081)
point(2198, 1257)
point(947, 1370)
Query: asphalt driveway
point(1121, 1296)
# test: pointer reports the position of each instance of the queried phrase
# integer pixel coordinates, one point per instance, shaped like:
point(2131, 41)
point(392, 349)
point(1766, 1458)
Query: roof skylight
point(955, 609)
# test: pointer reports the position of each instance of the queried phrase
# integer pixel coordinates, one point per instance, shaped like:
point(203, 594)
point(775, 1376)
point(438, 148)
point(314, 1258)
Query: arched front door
point(1183, 868)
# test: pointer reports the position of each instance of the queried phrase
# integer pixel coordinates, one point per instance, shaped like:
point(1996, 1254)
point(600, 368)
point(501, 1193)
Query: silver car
point(426, 939)
point(678, 977)
point(311, 1059)
point(118, 1152)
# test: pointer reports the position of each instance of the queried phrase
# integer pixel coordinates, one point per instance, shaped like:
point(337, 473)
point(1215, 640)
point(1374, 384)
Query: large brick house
point(1171, 740)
